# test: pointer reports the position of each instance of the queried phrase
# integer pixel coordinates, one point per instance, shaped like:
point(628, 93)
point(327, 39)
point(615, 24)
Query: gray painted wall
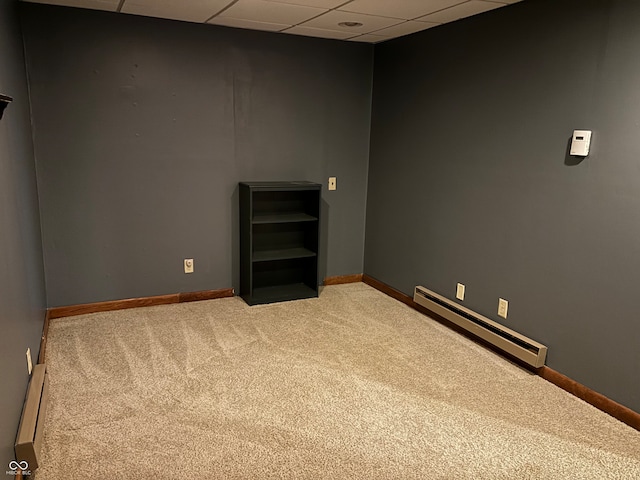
point(22, 295)
point(470, 180)
point(143, 128)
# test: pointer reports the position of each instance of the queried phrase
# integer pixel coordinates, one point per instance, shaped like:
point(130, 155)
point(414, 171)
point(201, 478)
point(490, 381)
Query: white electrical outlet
point(332, 183)
point(29, 363)
point(460, 292)
point(503, 307)
point(188, 265)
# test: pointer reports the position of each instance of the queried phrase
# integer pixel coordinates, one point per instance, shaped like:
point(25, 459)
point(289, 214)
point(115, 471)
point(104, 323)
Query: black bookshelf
point(279, 240)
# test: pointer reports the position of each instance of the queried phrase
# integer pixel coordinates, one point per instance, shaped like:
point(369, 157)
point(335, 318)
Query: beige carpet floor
point(351, 385)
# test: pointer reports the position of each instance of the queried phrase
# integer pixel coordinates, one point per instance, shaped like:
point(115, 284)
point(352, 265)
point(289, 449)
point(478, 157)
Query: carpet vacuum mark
point(352, 384)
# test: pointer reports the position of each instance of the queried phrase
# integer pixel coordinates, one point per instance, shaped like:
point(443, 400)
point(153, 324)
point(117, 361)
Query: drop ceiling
point(370, 21)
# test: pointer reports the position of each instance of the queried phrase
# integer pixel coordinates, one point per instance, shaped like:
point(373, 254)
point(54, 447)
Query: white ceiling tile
point(405, 9)
point(188, 11)
point(318, 32)
point(405, 28)
point(250, 24)
point(332, 19)
point(271, 12)
point(383, 19)
point(463, 10)
point(369, 38)
point(313, 3)
point(110, 5)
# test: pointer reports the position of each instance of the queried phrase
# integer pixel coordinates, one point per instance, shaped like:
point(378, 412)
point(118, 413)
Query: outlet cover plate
point(29, 362)
point(460, 291)
point(503, 307)
point(188, 265)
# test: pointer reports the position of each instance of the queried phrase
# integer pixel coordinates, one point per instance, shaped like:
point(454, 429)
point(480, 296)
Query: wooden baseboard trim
point(72, 310)
point(82, 309)
point(616, 410)
point(43, 339)
point(613, 408)
point(205, 295)
point(340, 279)
point(392, 292)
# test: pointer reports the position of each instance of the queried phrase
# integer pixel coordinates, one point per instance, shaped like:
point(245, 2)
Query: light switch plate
point(333, 183)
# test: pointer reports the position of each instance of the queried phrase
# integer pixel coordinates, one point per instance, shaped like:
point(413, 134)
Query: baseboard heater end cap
point(31, 429)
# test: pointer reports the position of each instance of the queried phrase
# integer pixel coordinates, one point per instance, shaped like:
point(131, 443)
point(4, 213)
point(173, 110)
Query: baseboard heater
point(31, 429)
point(521, 347)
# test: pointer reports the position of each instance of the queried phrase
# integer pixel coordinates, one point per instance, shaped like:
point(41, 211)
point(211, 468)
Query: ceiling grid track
point(370, 21)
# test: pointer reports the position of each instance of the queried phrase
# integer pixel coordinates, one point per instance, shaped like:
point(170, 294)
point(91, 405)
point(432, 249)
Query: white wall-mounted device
point(580, 143)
